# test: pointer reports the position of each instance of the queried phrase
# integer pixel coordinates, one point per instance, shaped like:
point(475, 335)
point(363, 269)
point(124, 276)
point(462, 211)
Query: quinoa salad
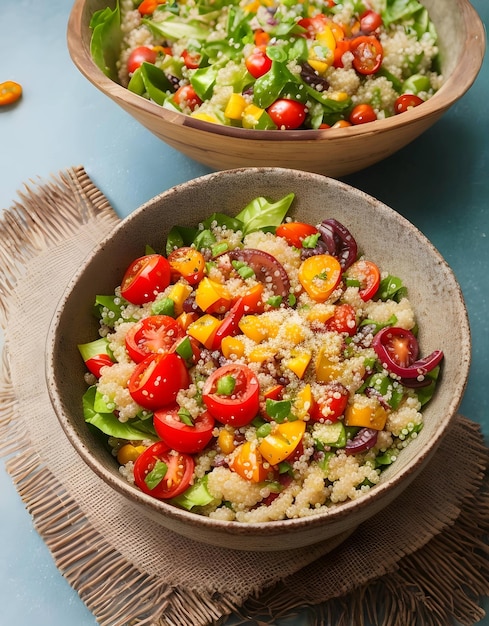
point(257, 368)
point(265, 64)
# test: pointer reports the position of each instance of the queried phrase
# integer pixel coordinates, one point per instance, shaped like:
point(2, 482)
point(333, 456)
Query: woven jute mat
point(423, 560)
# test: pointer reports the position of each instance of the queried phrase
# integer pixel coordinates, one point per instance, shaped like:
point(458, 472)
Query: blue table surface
point(440, 182)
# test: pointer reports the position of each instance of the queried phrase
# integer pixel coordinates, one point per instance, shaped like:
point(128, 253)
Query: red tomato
point(370, 21)
point(192, 59)
point(179, 471)
point(96, 363)
point(156, 381)
point(295, 232)
point(401, 345)
point(332, 403)
point(187, 263)
point(287, 114)
point(180, 436)
point(140, 55)
point(368, 275)
point(229, 325)
point(343, 321)
point(148, 7)
point(407, 101)
point(241, 405)
point(367, 54)
point(152, 335)
point(362, 114)
point(145, 278)
point(186, 96)
point(258, 63)
point(313, 25)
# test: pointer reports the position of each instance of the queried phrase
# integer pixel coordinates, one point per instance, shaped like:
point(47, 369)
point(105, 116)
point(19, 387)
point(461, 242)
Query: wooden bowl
point(432, 289)
point(333, 152)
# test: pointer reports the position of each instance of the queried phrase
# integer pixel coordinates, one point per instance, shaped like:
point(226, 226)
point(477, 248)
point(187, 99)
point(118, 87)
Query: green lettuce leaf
point(106, 39)
point(261, 213)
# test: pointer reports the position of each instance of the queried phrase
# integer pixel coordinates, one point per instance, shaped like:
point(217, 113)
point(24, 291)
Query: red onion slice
point(267, 269)
point(339, 241)
point(365, 439)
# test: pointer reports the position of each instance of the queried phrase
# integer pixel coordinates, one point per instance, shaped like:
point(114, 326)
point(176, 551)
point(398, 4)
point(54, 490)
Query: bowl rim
point(459, 82)
point(334, 514)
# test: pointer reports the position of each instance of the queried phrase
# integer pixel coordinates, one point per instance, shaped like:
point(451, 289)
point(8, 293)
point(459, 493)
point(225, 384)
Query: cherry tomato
point(362, 114)
point(249, 463)
point(287, 114)
point(140, 55)
point(407, 101)
point(179, 471)
point(367, 54)
point(96, 363)
point(181, 436)
point(148, 7)
point(313, 25)
point(370, 21)
point(343, 320)
point(152, 335)
point(156, 381)
point(320, 275)
point(187, 263)
point(238, 404)
point(229, 325)
point(332, 403)
point(258, 63)
point(295, 232)
point(145, 278)
point(10, 92)
point(186, 96)
point(368, 275)
point(261, 38)
point(401, 345)
point(191, 59)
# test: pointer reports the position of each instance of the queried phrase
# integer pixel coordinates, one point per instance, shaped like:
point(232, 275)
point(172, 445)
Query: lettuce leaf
point(106, 39)
point(261, 213)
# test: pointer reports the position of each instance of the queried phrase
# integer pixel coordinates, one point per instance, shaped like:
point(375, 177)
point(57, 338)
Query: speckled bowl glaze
point(333, 152)
point(433, 290)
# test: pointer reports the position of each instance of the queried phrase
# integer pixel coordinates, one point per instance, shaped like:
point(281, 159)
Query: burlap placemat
point(423, 560)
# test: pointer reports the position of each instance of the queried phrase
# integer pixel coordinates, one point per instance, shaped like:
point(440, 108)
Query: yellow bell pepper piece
point(327, 38)
point(179, 293)
point(204, 329)
point(254, 327)
point(366, 415)
point(235, 106)
point(205, 117)
point(185, 319)
point(212, 297)
point(248, 462)
point(303, 402)
point(298, 363)
point(225, 441)
point(294, 332)
point(232, 346)
point(251, 115)
point(260, 354)
point(319, 66)
point(282, 441)
point(327, 370)
point(129, 452)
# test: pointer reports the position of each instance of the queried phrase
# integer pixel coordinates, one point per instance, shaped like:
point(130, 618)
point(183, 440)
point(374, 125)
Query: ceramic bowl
point(432, 287)
point(333, 152)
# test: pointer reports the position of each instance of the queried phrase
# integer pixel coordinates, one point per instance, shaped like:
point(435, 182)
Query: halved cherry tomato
point(401, 345)
point(248, 463)
point(186, 96)
point(258, 63)
point(320, 275)
point(287, 114)
point(148, 7)
point(179, 471)
point(10, 92)
point(152, 335)
point(181, 436)
point(191, 59)
point(332, 403)
point(140, 55)
point(343, 320)
point(156, 381)
point(367, 274)
point(229, 325)
point(239, 403)
point(370, 21)
point(145, 278)
point(367, 54)
point(95, 363)
point(295, 232)
point(407, 101)
point(362, 114)
point(313, 25)
point(187, 263)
